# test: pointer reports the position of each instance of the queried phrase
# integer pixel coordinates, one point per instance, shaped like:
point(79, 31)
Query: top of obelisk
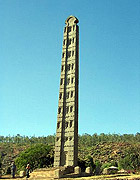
point(71, 20)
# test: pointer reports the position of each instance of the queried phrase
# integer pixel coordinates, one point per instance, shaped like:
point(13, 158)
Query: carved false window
point(71, 108)
point(69, 29)
point(69, 54)
point(67, 109)
point(66, 124)
point(72, 67)
point(61, 81)
point(58, 125)
point(72, 53)
point(59, 110)
point(68, 67)
point(71, 93)
point(60, 96)
point(73, 28)
point(62, 68)
point(68, 95)
point(72, 40)
point(69, 41)
point(70, 123)
point(72, 79)
point(68, 81)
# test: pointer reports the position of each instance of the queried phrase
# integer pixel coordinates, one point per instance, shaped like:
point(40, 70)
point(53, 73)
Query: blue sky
point(31, 33)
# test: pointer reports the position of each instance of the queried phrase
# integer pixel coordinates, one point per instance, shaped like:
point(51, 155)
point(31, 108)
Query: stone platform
point(43, 173)
point(51, 173)
point(59, 172)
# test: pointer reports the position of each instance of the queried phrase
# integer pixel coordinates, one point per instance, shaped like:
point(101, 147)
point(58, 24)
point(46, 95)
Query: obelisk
point(66, 142)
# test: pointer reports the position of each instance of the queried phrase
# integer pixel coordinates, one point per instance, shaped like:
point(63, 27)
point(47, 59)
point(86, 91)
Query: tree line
point(97, 150)
point(90, 140)
point(85, 139)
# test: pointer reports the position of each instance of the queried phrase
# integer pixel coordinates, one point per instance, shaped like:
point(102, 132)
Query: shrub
point(0, 166)
point(131, 160)
point(8, 171)
point(106, 165)
point(38, 156)
point(98, 167)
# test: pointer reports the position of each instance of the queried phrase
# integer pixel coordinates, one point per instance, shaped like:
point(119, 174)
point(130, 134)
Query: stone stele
point(66, 142)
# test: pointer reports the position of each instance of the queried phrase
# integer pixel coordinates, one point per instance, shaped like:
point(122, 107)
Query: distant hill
point(98, 151)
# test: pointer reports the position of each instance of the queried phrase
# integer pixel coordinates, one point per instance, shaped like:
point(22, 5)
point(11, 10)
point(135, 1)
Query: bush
point(38, 156)
point(87, 162)
point(0, 163)
point(131, 160)
point(109, 164)
point(82, 164)
point(98, 168)
point(106, 165)
point(8, 171)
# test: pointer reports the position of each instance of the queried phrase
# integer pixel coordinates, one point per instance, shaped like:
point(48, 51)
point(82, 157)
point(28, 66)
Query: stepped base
point(50, 173)
point(45, 173)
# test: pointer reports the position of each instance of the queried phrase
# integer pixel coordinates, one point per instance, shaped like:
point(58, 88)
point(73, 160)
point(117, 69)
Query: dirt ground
point(106, 177)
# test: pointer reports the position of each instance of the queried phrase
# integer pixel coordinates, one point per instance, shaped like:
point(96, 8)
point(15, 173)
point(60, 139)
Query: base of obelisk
point(58, 172)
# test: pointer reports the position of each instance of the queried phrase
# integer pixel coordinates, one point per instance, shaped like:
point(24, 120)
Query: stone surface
point(77, 170)
point(58, 173)
point(88, 170)
point(21, 173)
point(66, 143)
point(43, 173)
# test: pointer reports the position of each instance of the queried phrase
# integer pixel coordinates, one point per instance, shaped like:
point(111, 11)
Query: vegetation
point(24, 140)
point(96, 151)
point(38, 156)
point(0, 165)
point(131, 159)
point(85, 139)
point(107, 150)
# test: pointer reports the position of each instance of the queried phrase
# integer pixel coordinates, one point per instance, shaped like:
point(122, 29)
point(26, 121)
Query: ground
point(102, 177)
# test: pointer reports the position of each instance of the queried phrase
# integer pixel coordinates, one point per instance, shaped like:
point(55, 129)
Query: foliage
point(96, 151)
point(98, 168)
point(20, 140)
point(131, 160)
point(38, 156)
point(88, 162)
point(0, 165)
point(8, 171)
point(0, 162)
point(85, 139)
point(90, 140)
point(82, 164)
point(106, 165)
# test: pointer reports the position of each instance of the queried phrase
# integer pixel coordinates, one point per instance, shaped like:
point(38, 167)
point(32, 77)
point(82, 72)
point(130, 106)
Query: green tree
point(106, 165)
point(89, 162)
point(98, 167)
point(0, 165)
point(38, 156)
point(131, 159)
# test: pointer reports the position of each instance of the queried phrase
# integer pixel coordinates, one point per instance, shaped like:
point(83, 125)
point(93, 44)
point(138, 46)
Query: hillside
point(98, 151)
point(105, 152)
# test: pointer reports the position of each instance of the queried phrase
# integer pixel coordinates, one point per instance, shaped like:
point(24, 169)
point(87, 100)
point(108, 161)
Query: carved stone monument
point(66, 143)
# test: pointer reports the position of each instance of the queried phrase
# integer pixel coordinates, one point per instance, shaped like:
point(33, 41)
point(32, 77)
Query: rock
point(22, 174)
point(58, 173)
point(88, 170)
point(77, 170)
